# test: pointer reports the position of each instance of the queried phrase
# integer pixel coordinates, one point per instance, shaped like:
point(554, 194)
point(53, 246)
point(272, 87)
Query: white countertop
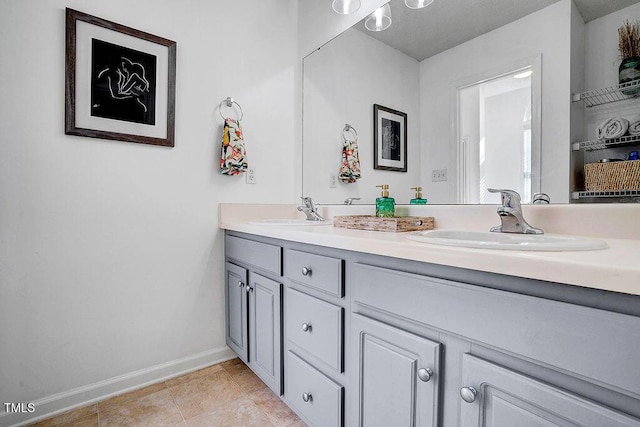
point(614, 269)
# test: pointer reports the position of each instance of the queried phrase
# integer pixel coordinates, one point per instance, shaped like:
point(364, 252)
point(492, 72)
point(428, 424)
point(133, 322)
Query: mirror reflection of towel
point(350, 169)
point(615, 127)
point(233, 158)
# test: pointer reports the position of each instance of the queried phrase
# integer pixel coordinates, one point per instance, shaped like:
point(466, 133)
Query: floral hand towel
point(350, 169)
point(233, 159)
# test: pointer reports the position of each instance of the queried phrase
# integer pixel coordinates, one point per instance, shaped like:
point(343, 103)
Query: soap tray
point(395, 224)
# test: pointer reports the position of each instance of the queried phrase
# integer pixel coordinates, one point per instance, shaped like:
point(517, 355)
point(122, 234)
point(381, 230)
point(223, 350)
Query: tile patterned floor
point(227, 394)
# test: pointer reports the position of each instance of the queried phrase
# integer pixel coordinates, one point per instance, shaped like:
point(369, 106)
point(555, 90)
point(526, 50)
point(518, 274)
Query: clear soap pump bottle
point(385, 205)
point(418, 200)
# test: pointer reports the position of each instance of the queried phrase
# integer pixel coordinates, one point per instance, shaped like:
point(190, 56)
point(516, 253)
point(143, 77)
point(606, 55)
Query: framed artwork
point(389, 139)
point(120, 83)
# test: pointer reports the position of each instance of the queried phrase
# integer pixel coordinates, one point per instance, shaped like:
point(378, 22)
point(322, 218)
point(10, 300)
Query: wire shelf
point(604, 194)
point(610, 94)
point(601, 144)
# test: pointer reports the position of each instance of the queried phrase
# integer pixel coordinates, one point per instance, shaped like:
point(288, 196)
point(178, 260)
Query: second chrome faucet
point(309, 209)
point(511, 214)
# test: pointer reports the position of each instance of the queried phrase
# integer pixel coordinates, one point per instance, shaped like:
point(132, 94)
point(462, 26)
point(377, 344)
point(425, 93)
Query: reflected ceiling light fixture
point(417, 4)
point(345, 7)
point(523, 75)
point(380, 19)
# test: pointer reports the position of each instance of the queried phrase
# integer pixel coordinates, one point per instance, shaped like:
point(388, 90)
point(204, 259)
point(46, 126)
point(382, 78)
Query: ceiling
point(422, 33)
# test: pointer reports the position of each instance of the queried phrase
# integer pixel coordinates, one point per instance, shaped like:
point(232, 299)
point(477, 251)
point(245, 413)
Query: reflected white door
point(495, 136)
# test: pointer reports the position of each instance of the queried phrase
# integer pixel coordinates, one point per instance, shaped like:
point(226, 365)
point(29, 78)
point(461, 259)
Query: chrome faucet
point(511, 214)
point(349, 200)
point(309, 209)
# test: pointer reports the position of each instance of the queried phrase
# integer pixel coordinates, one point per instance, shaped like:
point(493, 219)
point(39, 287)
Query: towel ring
point(229, 103)
point(349, 128)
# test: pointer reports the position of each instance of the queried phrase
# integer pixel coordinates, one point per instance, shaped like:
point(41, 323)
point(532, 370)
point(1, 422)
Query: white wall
point(602, 60)
point(545, 32)
point(111, 263)
point(342, 81)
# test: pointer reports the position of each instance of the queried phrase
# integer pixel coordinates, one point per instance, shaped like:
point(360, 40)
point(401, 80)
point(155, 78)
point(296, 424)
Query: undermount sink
point(288, 222)
point(507, 241)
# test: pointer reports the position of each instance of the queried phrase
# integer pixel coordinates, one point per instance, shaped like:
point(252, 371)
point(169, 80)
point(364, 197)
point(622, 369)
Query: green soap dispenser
point(385, 205)
point(418, 200)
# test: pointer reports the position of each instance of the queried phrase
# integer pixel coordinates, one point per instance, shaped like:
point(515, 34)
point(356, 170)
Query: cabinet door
point(236, 302)
point(265, 330)
point(498, 397)
point(398, 376)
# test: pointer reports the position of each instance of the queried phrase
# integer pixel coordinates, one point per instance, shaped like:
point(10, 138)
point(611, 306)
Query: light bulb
point(417, 4)
point(345, 7)
point(379, 20)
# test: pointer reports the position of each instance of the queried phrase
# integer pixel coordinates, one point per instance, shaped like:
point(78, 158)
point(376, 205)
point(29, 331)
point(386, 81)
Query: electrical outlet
point(438, 175)
point(333, 180)
point(251, 176)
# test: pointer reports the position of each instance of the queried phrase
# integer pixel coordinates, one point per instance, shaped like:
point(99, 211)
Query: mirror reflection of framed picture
point(120, 82)
point(390, 139)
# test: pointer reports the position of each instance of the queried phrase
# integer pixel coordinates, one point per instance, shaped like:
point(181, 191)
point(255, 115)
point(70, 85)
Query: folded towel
point(615, 127)
point(634, 126)
point(350, 169)
point(233, 158)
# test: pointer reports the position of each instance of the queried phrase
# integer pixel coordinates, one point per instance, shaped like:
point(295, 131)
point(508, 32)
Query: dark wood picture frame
point(78, 112)
point(389, 139)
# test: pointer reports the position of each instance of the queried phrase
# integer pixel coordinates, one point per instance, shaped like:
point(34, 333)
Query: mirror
point(418, 67)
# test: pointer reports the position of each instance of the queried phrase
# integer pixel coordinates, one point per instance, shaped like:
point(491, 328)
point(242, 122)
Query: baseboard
point(82, 396)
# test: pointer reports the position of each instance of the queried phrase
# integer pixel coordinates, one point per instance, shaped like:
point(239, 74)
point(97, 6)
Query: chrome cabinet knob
point(306, 271)
point(249, 288)
point(240, 284)
point(468, 394)
point(307, 397)
point(425, 374)
point(306, 327)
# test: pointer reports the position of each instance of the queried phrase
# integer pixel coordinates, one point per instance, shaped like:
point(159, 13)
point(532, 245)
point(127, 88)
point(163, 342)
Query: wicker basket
point(612, 176)
point(395, 224)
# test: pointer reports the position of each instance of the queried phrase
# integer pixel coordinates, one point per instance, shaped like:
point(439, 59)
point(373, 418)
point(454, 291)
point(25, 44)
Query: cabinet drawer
point(315, 326)
point(312, 394)
point(262, 255)
point(317, 271)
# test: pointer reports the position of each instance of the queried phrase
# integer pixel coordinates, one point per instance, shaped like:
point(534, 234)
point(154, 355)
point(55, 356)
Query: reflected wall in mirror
point(354, 71)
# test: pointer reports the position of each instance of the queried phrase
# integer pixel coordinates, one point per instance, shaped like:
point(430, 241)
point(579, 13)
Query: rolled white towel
point(615, 127)
point(634, 126)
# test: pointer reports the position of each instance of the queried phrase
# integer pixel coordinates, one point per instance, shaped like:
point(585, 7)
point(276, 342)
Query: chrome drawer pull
point(307, 397)
point(425, 374)
point(468, 394)
point(306, 327)
point(306, 271)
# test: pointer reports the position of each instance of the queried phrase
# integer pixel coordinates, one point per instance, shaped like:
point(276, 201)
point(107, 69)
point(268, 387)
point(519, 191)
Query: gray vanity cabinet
point(398, 379)
point(528, 361)
point(254, 307)
point(498, 397)
point(365, 340)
